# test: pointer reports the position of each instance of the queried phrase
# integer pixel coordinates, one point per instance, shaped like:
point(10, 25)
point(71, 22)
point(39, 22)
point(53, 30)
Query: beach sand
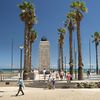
point(8, 93)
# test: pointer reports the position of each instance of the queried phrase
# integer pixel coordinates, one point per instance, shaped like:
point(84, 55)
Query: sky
point(50, 15)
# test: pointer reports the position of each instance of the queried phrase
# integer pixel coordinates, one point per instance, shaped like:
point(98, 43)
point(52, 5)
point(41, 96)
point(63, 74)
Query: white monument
point(44, 54)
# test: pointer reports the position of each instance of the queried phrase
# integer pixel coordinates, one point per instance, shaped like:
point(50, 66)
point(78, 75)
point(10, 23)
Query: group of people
point(51, 80)
point(55, 75)
point(58, 75)
point(67, 76)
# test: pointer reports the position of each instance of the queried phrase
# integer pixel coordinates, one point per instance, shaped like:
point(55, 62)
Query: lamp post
point(90, 53)
point(12, 56)
point(65, 65)
point(21, 48)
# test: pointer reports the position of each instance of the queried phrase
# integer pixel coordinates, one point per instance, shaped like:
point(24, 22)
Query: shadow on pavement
point(16, 96)
point(1, 91)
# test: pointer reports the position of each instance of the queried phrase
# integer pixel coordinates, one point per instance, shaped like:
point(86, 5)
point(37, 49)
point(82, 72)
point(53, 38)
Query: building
point(44, 54)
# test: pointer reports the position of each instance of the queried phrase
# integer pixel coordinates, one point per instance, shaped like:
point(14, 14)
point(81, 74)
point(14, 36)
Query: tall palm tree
point(79, 8)
point(96, 41)
point(27, 15)
point(61, 31)
point(70, 24)
point(33, 37)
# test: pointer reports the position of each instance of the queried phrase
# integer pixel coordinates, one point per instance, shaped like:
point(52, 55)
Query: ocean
point(9, 70)
point(4, 70)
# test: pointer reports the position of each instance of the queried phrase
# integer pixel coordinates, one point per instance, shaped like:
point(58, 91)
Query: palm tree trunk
point(30, 55)
point(60, 58)
point(96, 47)
point(62, 68)
point(80, 64)
point(70, 48)
point(26, 52)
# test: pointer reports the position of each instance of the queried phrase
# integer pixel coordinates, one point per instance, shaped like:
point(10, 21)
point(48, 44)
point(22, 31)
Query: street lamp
point(90, 53)
point(21, 48)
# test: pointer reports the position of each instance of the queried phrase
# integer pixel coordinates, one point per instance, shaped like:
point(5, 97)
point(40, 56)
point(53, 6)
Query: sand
point(8, 93)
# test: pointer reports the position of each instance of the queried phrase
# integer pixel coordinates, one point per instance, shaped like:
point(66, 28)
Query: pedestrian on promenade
point(44, 73)
point(61, 75)
point(57, 75)
point(21, 85)
point(68, 77)
point(50, 82)
point(53, 83)
point(88, 74)
point(53, 75)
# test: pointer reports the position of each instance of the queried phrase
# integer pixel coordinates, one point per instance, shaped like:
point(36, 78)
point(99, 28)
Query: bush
point(93, 85)
point(80, 85)
point(98, 84)
point(87, 85)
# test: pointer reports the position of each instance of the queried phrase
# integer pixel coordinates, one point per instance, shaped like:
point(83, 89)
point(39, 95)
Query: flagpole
point(12, 56)
point(90, 54)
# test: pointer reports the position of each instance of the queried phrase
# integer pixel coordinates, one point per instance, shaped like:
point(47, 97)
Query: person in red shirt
point(68, 77)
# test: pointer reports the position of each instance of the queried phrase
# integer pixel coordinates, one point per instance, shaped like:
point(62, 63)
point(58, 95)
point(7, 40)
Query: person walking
point(88, 74)
point(53, 74)
point(57, 75)
point(61, 75)
point(21, 85)
point(50, 81)
point(53, 83)
point(44, 74)
point(68, 77)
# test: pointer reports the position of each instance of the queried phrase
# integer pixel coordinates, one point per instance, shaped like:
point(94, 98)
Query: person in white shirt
point(44, 73)
point(21, 85)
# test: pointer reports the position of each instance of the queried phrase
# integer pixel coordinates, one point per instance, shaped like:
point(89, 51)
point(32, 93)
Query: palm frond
point(28, 12)
point(96, 37)
point(79, 5)
point(33, 35)
point(62, 30)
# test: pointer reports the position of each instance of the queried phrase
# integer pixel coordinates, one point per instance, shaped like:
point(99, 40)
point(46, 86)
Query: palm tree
point(61, 31)
point(79, 8)
point(27, 15)
point(96, 40)
point(33, 37)
point(70, 22)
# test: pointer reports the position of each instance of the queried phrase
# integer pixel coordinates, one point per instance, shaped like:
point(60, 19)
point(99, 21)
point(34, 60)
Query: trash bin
point(7, 83)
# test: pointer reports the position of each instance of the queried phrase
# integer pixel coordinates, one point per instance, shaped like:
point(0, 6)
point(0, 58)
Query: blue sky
point(51, 15)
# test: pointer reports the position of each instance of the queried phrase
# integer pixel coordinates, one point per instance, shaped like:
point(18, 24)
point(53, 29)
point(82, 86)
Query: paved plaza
point(8, 93)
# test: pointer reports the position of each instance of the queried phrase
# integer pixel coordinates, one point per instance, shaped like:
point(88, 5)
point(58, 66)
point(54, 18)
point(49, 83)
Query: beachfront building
point(44, 54)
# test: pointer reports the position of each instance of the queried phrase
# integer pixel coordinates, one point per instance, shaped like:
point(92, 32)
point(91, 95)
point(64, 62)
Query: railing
point(9, 76)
